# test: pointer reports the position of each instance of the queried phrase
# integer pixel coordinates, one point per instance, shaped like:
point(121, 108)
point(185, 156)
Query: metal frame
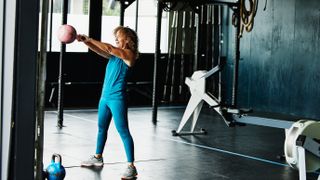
point(262, 121)
point(1, 78)
point(41, 74)
point(234, 4)
point(197, 86)
point(304, 144)
point(229, 113)
point(203, 2)
point(61, 66)
point(123, 5)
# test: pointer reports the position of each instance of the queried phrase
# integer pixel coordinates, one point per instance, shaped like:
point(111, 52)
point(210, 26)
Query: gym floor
point(235, 153)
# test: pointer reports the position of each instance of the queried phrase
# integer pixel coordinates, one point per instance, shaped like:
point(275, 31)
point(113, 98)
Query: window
point(78, 17)
point(110, 20)
point(147, 19)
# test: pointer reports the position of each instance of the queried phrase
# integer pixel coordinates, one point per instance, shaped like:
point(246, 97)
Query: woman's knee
point(124, 132)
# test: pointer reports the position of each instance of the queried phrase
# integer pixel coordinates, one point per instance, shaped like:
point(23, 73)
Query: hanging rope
point(247, 15)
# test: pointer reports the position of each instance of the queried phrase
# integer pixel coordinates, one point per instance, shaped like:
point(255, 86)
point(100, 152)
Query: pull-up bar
point(203, 2)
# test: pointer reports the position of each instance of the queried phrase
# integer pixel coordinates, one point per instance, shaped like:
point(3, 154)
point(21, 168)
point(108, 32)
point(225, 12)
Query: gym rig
point(302, 142)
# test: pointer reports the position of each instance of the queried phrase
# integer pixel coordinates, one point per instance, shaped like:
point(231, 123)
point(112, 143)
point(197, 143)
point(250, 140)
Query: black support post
point(21, 160)
point(122, 10)
point(216, 46)
point(137, 16)
point(155, 66)
point(95, 17)
point(236, 58)
point(61, 75)
point(40, 102)
point(123, 5)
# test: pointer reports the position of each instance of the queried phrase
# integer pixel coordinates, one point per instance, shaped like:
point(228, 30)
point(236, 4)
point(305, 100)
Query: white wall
point(8, 9)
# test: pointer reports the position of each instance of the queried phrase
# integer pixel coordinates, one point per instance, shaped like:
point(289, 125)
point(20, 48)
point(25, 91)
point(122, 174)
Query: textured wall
point(280, 64)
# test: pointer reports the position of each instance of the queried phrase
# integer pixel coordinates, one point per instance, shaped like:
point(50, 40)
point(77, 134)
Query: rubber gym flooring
point(225, 153)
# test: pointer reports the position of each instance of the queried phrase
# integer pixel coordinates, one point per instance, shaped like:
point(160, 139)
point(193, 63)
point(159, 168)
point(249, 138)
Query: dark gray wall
point(87, 79)
point(280, 64)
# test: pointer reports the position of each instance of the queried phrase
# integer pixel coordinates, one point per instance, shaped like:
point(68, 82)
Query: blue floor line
point(229, 152)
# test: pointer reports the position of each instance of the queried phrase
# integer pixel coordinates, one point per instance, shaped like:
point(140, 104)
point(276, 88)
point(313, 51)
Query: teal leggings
point(118, 110)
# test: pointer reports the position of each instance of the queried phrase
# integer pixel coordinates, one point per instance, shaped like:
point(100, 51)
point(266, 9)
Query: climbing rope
point(247, 15)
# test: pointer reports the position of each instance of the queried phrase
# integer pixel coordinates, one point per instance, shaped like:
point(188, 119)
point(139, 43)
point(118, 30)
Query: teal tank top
point(115, 81)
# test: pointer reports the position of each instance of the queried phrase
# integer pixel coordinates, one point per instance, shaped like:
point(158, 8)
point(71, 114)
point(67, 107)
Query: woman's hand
point(82, 38)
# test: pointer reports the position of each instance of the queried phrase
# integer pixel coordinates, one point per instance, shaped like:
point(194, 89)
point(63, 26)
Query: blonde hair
point(131, 37)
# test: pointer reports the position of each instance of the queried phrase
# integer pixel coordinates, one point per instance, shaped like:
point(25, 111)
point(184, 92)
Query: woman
point(113, 97)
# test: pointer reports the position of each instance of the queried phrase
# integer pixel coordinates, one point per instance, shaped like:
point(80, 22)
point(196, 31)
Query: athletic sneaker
point(130, 173)
point(92, 161)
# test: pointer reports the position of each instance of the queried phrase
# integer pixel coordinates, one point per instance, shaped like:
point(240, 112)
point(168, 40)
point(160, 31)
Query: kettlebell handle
point(54, 156)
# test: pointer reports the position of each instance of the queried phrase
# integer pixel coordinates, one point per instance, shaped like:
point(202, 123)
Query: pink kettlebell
point(66, 33)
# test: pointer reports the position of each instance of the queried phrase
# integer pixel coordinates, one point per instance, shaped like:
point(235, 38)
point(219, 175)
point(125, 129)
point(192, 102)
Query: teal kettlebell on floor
point(55, 171)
